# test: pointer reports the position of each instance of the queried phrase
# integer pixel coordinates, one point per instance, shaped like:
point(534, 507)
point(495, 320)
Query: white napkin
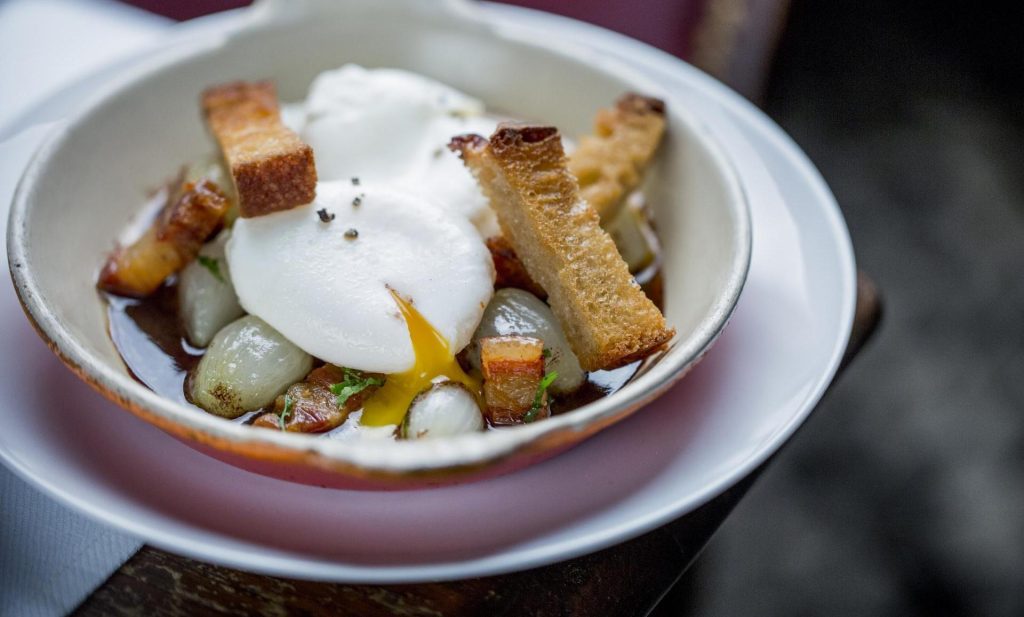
point(51, 558)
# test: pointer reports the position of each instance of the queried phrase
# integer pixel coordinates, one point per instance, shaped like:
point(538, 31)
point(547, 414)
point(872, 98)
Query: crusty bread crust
point(272, 168)
point(609, 164)
point(606, 316)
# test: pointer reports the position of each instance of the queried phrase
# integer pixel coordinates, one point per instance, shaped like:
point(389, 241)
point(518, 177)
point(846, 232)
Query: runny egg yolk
point(433, 359)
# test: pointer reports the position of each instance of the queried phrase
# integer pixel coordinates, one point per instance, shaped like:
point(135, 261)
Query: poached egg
point(325, 275)
point(393, 126)
point(386, 271)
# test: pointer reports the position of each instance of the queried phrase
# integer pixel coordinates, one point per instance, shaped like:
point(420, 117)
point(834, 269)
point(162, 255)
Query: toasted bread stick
point(610, 163)
point(271, 167)
point(607, 318)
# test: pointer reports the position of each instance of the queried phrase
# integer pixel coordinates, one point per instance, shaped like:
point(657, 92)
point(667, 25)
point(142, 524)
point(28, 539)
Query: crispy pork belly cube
point(189, 218)
point(310, 409)
point(311, 405)
point(513, 367)
point(271, 167)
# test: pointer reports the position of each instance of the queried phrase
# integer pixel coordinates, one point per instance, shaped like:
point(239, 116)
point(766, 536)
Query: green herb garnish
point(284, 412)
point(538, 399)
point(213, 265)
point(546, 353)
point(353, 383)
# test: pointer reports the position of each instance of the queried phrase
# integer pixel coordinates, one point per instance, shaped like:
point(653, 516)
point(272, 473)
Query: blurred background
point(904, 493)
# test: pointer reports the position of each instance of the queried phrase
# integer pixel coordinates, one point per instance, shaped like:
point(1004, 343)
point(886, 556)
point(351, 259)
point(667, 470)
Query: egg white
point(389, 126)
point(329, 293)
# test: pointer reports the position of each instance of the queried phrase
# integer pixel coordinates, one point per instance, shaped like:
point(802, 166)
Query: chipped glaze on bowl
point(87, 180)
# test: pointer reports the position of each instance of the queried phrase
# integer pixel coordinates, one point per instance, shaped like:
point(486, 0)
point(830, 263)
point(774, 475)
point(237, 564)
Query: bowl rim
point(426, 458)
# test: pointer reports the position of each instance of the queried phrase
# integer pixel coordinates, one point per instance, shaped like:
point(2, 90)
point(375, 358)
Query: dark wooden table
point(628, 579)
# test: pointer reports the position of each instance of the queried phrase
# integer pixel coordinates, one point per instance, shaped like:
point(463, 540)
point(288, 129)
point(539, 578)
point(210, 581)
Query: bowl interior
point(90, 180)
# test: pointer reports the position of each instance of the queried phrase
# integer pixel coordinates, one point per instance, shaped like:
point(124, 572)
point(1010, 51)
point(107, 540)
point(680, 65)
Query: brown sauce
point(150, 338)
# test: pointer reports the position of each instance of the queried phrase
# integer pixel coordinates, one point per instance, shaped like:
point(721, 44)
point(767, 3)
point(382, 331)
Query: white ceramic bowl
point(85, 183)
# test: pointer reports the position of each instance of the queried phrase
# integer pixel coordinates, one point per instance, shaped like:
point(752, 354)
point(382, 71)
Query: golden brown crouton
point(509, 270)
point(609, 163)
point(513, 367)
point(190, 216)
point(272, 168)
point(312, 407)
point(606, 316)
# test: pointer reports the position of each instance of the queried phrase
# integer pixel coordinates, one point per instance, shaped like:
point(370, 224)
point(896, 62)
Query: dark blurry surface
point(904, 494)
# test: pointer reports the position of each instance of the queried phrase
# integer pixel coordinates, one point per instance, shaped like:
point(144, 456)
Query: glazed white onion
point(246, 366)
point(517, 312)
point(206, 296)
point(446, 409)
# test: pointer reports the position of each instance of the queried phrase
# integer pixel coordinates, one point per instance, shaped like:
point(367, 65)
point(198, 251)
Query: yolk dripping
point(433, 359)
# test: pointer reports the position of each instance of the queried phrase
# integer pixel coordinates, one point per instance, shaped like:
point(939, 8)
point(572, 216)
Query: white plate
point(696, 198)
point(748, 396)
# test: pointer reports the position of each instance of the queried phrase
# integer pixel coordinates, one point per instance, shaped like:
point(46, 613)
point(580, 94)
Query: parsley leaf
point(213, 265)
point(546, 353)
point(284, 412)
point(538, 399)
point(353, 383)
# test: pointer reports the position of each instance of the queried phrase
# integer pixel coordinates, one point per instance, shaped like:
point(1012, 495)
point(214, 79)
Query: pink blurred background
point(734, 40)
